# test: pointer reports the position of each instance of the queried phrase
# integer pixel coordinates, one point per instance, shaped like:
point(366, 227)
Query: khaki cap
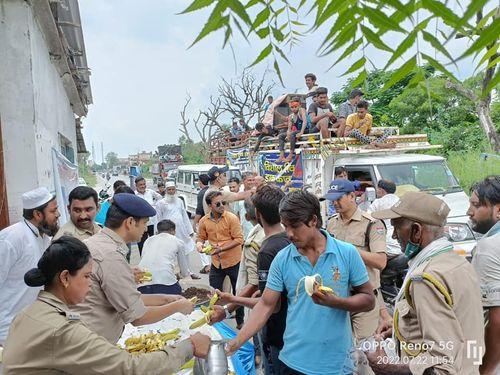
point(422, 207)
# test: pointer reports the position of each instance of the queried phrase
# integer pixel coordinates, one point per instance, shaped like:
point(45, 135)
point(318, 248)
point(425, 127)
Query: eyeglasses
point(218, 204)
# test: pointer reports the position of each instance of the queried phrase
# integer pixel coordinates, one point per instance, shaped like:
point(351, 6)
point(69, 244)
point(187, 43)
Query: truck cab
point(414, 172)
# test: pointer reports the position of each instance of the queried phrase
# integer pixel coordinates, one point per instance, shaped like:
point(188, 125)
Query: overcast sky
point(142, 70)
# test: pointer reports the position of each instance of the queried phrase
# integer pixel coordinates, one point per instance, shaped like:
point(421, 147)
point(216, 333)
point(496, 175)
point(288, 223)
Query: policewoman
point(47, 338)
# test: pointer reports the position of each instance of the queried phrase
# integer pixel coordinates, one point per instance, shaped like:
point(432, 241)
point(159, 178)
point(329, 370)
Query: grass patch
point(89, 177)
point(469, 167)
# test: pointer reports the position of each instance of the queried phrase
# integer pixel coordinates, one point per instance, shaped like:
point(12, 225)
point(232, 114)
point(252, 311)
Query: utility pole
point(102, 153)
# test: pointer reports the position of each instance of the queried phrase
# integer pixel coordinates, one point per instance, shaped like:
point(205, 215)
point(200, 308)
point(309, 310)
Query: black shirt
point(274, 329)
point(199, 203)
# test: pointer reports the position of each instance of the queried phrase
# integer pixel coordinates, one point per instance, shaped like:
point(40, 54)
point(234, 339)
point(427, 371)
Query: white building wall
point(34, 108)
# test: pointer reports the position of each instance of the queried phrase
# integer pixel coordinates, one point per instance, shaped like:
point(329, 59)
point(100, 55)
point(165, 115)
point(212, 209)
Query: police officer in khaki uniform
point(438, 317)
point(367, 234)
point(47, 338)
point(83, 207)
point(114, 300)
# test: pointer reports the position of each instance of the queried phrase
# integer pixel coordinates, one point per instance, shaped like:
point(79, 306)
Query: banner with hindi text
point(282, 173)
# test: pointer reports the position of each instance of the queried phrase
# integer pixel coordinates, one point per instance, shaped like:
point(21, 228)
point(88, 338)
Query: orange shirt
point(219, 232)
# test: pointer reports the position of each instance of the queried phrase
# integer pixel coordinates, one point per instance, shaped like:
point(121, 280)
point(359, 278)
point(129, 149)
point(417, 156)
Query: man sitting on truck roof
point(359, 124)
point(263, 131)
point(321, 113)
point(347, 108)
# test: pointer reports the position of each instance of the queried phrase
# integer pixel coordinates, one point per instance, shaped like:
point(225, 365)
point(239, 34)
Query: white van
point(187, 186)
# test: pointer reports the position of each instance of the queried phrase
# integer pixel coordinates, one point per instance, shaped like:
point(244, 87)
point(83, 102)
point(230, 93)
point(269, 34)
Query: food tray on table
point(175, 321)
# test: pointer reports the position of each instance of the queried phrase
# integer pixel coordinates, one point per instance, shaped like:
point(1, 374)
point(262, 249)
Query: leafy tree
point(354, 26)
point(111, 159)
point(192, 152)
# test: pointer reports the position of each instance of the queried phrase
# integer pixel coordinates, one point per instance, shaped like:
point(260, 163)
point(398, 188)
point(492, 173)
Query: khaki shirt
point(113, 300)
point(48, 339)
point(454, 335)
point(353, 231)
point(251, 249)
point(220, 232)
point(70, 229)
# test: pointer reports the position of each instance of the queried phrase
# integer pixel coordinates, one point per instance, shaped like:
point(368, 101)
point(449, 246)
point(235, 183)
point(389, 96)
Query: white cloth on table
point(21, 247)
point(160, 254)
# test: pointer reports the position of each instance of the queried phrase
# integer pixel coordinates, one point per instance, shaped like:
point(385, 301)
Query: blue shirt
point(101, 215)
point(317, 338)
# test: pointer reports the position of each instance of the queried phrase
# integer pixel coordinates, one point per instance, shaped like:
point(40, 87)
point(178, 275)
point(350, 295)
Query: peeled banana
point(310, 282)
point(207, 313)
point(150, 342)
point(147, 276)
point(208, 249)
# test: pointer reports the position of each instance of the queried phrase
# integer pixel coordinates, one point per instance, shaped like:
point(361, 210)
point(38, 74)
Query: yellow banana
point(193, 300)
point(326, 289)
point(200, 322)
point(208, 249)
point(213, 300)
point(188, 364)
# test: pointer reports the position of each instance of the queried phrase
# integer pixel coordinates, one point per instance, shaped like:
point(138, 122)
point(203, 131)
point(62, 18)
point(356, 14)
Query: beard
point(483, 226)
point(170, 198)
point(48, 229)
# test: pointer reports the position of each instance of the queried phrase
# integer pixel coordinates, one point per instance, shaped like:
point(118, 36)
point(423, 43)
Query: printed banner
point(237, 156)
point(65, 180)
point(282, 174)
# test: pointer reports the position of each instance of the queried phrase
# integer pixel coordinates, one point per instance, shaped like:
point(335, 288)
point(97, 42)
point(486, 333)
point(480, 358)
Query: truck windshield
point(434, 177)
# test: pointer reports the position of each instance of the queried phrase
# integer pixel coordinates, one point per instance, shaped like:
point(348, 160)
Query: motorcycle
point(391, 279)
point(103, 194)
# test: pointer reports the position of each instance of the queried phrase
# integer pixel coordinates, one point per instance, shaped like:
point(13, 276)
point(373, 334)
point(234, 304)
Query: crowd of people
point(312, 114)
point(269, 244)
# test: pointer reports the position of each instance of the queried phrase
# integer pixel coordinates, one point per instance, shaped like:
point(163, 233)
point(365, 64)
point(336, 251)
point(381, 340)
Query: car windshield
point(434, 177)
point(233, 173)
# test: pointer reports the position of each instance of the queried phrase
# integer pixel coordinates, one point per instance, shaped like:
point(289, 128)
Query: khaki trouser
point(364, 324)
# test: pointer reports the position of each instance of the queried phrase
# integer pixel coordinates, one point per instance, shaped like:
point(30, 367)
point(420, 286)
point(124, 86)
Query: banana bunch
point(310, 282)
point(208, 249)
point(207, 313)
point(150, 342)
point(147, 276)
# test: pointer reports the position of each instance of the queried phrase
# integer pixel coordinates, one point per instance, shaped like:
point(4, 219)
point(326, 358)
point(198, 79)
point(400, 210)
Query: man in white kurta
point(21, 246)
point(172, 208)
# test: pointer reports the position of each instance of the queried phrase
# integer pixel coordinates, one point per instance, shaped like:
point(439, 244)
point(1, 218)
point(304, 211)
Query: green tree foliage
point(429, 107)
point(357, 26)
point(111, 159)
point(192, 152)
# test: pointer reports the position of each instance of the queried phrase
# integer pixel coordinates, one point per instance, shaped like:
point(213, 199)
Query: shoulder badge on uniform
point(73, 316)
point(368, 216)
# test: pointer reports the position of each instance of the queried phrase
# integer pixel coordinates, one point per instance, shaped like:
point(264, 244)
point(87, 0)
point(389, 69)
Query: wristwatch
point(226, 310)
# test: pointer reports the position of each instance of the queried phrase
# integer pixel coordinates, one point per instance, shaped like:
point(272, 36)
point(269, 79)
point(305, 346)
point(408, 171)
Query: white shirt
point(176, 212)
point(21, 247)
point(152, 197)
point(159, 255)
point(384, 203)
point(309, 97)
point(486, 261)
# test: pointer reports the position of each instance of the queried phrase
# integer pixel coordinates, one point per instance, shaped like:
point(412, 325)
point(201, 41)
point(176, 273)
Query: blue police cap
point(339, 188)
point(215, 172)
point(133, 205)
